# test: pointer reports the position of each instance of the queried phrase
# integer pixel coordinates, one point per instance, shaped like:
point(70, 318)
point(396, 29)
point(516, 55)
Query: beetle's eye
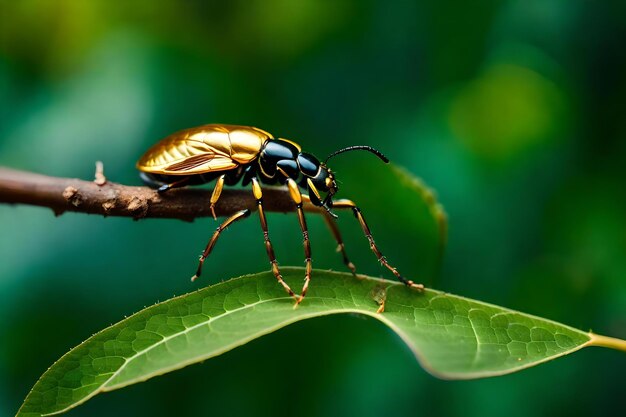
point(328, 182)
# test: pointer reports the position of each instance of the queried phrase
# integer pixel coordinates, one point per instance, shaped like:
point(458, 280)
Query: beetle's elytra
point(229, 154)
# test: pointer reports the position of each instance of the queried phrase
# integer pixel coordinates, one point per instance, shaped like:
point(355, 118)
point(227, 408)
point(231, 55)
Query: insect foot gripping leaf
point(452, 337)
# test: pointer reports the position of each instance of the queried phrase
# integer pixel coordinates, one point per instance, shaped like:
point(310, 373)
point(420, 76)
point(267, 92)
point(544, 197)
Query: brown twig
point(111, 199)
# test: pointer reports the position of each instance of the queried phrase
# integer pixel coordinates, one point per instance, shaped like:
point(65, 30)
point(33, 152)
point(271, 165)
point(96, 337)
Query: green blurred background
point(512, 110)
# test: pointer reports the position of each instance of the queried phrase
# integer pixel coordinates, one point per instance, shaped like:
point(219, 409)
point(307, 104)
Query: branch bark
point(111, 199)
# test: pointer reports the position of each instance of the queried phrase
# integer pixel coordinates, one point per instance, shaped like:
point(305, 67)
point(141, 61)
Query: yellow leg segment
point(296, 196)
point(258, 194)
point(217, 191)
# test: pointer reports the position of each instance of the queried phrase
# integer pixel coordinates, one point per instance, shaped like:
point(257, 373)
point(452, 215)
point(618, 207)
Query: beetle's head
point(320, 179)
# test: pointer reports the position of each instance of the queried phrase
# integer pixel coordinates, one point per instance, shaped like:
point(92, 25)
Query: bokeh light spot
point(506, 111)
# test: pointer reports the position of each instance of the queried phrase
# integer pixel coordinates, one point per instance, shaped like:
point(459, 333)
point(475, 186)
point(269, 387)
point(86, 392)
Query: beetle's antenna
point(359, 148)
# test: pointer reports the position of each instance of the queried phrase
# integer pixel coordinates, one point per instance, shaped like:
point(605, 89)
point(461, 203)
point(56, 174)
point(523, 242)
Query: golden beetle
point(228, 154)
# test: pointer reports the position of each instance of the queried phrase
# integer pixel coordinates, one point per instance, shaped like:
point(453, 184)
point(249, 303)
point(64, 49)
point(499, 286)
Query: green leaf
point(452, 337)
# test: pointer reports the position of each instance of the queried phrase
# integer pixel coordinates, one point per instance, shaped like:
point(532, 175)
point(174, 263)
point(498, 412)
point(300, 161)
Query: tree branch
point(111, 199)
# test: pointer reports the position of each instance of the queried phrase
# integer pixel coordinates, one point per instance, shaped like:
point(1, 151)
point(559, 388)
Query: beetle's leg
point(209, 247)
point(334, 229)
point(161, 186)
point(332, 225)
point(258, 194)
point(150, 180)
point(296, 196)
point(219, 184)
point(347, 204)
point(180, 183)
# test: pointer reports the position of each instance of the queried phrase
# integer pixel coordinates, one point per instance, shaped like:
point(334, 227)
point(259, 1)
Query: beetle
point(228, 154)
